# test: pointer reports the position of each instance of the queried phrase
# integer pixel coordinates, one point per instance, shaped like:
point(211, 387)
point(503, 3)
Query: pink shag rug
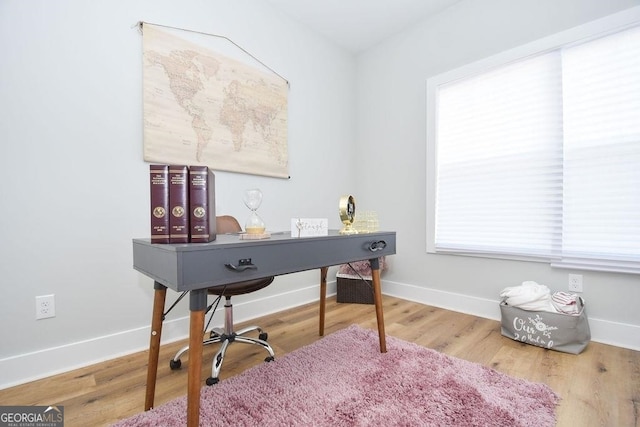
point(344, 380)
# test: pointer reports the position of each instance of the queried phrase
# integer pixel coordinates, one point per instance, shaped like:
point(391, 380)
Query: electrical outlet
point(45, 306)
point(575, 282)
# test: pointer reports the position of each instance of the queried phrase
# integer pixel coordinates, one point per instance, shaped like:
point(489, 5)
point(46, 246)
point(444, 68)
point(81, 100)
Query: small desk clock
point(348, 214)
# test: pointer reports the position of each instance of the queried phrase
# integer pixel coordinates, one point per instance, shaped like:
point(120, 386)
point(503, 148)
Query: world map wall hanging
point(203, 107)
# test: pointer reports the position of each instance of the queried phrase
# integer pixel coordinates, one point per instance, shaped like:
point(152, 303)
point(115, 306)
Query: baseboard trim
point(603, 331)
point(24, 368)
point(40, 364)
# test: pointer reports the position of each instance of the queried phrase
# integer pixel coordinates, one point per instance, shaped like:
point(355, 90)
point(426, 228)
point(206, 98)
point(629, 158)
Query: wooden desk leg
point(197, 305)
point(323, 297)
point(160, 295)
point(377, 298)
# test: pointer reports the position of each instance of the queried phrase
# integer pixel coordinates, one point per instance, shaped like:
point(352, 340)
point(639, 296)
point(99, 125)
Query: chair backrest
point(227, 224)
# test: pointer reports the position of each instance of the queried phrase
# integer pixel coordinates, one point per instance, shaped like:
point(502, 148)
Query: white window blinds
point(541, 157)
point(500, 161)
point(601, 97)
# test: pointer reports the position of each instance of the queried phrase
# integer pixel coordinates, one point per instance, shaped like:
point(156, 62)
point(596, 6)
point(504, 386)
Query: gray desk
point(195, 267)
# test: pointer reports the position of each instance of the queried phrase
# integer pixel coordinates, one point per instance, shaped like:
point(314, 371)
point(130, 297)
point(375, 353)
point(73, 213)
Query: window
point(535, 154)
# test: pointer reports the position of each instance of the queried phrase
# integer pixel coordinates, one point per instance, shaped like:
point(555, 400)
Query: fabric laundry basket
point(568, 333)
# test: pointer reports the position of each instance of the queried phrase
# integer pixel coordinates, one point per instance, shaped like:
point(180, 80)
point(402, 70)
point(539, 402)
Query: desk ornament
point(347, 214)
point(254, 227)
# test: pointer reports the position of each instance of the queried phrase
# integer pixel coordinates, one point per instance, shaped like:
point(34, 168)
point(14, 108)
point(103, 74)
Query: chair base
point(226, 338)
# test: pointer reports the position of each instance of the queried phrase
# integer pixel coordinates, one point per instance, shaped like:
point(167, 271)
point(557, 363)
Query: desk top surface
point(280, 237)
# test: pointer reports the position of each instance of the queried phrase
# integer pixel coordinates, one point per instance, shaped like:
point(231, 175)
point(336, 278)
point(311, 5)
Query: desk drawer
point(189, 267)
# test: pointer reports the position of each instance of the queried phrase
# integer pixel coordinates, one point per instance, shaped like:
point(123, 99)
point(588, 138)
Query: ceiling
point(360, 24)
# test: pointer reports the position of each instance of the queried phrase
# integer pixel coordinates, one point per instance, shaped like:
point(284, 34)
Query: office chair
point(228, 224)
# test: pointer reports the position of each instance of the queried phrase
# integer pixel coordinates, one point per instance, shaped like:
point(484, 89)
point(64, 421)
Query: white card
point(309, 227)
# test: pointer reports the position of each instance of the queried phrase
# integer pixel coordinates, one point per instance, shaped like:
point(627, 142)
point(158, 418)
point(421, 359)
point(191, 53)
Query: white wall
point(391, 119)
point(74, 186)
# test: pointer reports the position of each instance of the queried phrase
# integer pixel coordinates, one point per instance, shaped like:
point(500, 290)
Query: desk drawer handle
point(243, 264)
point(377, 246)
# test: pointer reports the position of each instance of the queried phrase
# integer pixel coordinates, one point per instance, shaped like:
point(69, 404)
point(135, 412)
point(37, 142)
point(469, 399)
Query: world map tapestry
point(205, 108)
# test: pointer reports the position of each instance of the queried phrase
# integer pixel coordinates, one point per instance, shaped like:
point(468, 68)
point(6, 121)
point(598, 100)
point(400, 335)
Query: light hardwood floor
point(600, 387)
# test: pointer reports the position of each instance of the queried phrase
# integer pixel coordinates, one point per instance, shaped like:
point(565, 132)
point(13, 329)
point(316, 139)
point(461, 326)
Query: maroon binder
point(179, 203)
point(202, 204)
point(159, 188)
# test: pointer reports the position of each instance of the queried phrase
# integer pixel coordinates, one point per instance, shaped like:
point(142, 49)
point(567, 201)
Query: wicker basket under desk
point(353, 289)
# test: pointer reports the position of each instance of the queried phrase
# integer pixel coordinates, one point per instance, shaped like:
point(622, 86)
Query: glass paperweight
point(253, 200)
point(366, 222)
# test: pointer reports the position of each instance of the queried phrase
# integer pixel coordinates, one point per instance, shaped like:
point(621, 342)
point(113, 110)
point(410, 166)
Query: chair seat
point(240, 288)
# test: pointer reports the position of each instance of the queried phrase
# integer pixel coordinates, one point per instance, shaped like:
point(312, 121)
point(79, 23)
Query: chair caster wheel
point(175, 364)
point(212, 381)
point(263, 336)
point(269, 359)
